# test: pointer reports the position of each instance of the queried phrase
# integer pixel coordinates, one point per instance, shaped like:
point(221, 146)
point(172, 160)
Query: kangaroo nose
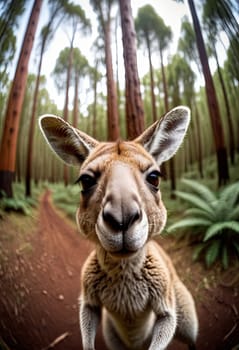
point(120, 220)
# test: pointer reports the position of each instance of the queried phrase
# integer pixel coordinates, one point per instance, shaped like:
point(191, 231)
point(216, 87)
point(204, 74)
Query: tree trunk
point(95, 100)
point(15, 101)
point(153, 101)
point(65, 111)
point(75, 108)
point(222, 163)
point(165, 87)
point(134, 104)
point(166, 107)
point(28, 174)
point(112, 106)
point(229, 115)
point(198, 128)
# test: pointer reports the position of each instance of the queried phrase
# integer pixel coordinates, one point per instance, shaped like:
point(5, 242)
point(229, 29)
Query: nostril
point(127, 221)
point(132, 218)
point(112, 221)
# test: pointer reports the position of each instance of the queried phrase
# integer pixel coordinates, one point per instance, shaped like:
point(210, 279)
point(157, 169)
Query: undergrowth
point(66, 198)
point(19, 203)
point(214, 217)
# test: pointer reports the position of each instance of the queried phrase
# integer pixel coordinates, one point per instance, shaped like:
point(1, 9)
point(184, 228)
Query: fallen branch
point(57, 341)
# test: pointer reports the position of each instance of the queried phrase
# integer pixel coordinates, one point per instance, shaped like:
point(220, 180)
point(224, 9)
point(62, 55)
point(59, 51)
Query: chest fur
point(125, 289)
point(124, 293)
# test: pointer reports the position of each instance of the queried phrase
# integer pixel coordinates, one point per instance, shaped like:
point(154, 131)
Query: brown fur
point(128, 281)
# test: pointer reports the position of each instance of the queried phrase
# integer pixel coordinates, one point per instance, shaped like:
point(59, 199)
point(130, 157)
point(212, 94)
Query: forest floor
point(40, 264)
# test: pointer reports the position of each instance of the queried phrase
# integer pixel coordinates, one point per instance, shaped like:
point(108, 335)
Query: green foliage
point(145, 24)
point(19, 203)
point(66, 198)
point(216, 219)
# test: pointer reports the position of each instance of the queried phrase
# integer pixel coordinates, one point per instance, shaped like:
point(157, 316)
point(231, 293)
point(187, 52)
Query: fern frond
point(197, 251)
point(230, 194)
point(225, 257)
point(234, 214)
point(195, 200)
point(218, 227)
point(212, 253)
point(222, 210)
point(190, 222)
point(197, 212)
point(203, 191)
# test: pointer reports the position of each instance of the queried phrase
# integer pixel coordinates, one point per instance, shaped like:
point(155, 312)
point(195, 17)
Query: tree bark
point(14, 106)
point(200, 158)
point(112, 106)
point(166, 107)
point(152, 85)
point(165, 87)
point(75, 107)
point(65, 111)
point(229, 115)
point(221, 152)
point(134, 104)
point(28, 174)
point(94, 126)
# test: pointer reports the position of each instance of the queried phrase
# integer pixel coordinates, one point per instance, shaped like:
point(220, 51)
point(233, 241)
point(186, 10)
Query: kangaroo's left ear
point(164, 137)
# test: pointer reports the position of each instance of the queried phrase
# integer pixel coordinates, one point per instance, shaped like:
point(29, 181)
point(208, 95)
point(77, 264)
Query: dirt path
point(39, 290)
point(39, 302)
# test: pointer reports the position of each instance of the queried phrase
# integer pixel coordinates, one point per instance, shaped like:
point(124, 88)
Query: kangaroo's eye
point(153, 179)
point(87, 182)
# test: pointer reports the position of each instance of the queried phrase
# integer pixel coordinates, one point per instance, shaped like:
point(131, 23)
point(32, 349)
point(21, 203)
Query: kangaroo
point(128, 281)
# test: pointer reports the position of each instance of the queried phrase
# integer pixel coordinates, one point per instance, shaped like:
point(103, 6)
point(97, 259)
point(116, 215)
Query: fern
point(216, 216)
point(196, 212)
point(225, 262)
point(203, 191)
point(212, 253)
point(197, 251)
point(234, 214)
point(195, 200)
point(230, 194)
point(218, 228)
point(190, 222)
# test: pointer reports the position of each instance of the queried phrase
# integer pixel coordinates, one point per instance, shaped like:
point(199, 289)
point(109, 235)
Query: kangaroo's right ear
point(71, 145)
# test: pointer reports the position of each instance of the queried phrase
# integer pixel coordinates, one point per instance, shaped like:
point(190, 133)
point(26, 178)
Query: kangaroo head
point(121, 205)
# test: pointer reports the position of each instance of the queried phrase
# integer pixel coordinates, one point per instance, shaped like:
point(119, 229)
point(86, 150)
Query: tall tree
point(10, 12)
point(163, 36)
point(213, 106)
point(12, 119)
point(47, 33)
point(77, 20)
point(133, 104)
point(213, 32)
point(95, 77)
point(187, 43)
point(62, 74)
point(103, 9)
point(145, 24)
point(80, 69)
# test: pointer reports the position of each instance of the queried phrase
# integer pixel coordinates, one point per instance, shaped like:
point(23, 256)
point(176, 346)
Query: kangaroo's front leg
point(89, 321)
point(163, 331)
